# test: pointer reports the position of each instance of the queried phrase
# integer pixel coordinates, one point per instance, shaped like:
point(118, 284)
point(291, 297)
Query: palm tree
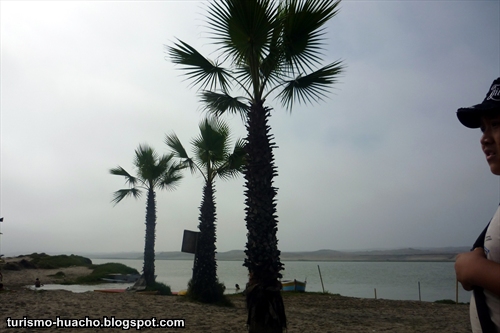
point(153, 172)
point(273, 49)
point(212, 158)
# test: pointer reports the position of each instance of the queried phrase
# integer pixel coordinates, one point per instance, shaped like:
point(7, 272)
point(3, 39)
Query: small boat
point(121, 278)
point(293, 285)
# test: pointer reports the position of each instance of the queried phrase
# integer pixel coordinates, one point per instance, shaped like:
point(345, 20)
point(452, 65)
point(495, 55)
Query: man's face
point(490, 142)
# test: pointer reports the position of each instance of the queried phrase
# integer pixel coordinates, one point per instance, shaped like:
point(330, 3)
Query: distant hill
point(407, 254)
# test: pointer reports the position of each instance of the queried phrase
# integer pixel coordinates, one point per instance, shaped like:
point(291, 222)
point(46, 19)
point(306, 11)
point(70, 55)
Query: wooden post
point(375, 290)
point(321, 278)
point(419, 297)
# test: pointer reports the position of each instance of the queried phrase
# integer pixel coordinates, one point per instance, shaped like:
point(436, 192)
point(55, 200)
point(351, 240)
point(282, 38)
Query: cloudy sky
point(382, 163)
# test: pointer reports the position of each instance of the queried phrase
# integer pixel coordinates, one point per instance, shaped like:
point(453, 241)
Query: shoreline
point(402, 255)
point(306, 312)
point(26, 277)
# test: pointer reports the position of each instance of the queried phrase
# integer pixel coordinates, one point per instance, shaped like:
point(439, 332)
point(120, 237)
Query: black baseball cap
point(471, 116)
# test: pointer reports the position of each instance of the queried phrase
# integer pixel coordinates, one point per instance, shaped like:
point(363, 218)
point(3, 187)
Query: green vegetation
point(447, 301)
point(103, 270)
point(11, 267)
point(161, 288)
point(59, 275)
point(214, 293)
point(46, 261)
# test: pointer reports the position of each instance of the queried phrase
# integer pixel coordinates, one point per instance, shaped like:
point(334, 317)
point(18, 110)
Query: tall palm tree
point(153, 172)
point(212, 158)
point(272, 49)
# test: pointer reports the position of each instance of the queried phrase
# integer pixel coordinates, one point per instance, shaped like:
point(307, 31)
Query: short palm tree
point(212, 158)
point(272, 49)
point(153, 172)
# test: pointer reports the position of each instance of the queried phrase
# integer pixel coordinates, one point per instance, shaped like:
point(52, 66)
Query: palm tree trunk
point(203, 286)
point(266, 312)
point(149, 247)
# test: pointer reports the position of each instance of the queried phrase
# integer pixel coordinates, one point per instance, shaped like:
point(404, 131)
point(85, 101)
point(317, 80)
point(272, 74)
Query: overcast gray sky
point(382, 163)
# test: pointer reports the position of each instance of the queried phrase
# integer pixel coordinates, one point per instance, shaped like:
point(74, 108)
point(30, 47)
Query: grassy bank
point(45, 261)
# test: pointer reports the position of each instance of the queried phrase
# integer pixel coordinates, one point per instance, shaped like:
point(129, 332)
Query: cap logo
point(494, 93)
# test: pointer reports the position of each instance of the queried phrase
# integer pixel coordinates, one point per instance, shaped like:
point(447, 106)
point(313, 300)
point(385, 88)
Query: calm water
point(392, 280)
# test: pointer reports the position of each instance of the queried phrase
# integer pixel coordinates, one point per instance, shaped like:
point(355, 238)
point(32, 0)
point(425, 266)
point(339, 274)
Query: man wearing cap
point(479, 270)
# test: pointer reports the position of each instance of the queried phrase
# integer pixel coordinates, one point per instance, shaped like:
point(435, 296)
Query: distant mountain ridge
point(406, 254)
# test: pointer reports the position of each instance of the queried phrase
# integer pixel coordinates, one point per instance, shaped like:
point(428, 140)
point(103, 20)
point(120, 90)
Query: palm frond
point(271, 68)
point(243, 76)
point(234, 162)
point(123, 193)
point(164, 162)
point(215, 124)
point(173, 142)
point(200, 70)
point(242, 27)
point(210, 147)
point(311, 87)
point(189, 163)
point(303, 30)
point(218, 104)
point(129, 179)
point(171, 177)
point(145, 161)
point(153, 171)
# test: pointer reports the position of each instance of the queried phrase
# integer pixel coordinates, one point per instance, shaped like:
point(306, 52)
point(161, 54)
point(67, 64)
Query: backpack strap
point(480, 240)
point(483, 312)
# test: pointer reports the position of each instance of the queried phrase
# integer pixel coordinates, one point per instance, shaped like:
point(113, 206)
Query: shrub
point(446, 301)
point(103, 270)
point(59, 275)
point(45, 261)
point(209, 295)
point(11, 267)
point(26, 264)
point(161, 288)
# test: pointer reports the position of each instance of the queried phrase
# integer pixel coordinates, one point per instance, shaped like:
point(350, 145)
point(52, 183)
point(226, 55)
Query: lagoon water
point(392, 280)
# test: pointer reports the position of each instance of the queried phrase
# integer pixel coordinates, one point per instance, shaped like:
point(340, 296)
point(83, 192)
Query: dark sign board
point(189, 241)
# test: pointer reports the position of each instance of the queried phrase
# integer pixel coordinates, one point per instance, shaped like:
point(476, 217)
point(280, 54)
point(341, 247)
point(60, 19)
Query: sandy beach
point(308, 312)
